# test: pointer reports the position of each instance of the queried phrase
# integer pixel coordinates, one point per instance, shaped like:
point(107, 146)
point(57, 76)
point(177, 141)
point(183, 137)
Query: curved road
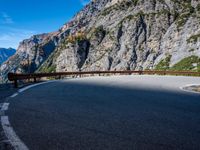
point(109, 113)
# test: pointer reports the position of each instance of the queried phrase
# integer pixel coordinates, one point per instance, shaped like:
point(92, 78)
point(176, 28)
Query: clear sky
point(20, 19)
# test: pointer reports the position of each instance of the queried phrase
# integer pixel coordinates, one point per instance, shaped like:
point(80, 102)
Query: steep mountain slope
point(5, 54)
point(30, 54)
point(118, 35)
point(132, 34)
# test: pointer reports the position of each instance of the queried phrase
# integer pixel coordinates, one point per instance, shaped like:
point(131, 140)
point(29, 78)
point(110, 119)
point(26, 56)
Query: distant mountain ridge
point(5, 53)
point(117, 35)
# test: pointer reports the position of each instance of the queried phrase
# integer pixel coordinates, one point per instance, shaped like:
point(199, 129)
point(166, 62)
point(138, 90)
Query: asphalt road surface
point(109, 113)
point(5, 91)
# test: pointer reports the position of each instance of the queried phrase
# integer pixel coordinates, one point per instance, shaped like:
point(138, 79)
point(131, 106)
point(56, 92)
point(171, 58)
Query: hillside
point(117, 35)
point(5, 54)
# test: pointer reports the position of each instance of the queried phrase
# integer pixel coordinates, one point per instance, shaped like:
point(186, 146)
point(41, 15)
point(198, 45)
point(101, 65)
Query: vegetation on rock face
point(124, 5)
point(97, 31)
point(191, 63)
point(79, 36)
point(50, 69)
point(49, 65)
point(164, 64)
point(193, 38)
point(187, 11)
point(192, 50)
point(198, 7)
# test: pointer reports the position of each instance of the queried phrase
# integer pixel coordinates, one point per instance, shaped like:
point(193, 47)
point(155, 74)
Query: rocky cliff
point(6, 53)
point(118, 35)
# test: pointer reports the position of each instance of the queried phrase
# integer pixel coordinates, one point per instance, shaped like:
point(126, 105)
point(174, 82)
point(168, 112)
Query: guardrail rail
point(15, 77)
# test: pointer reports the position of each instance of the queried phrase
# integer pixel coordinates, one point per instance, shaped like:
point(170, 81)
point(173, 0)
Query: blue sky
point(20, 19)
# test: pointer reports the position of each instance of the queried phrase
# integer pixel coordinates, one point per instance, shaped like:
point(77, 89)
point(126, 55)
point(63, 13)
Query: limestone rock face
point(116, 35)
point(73, 57)
point(29, 56)
point(129, 35)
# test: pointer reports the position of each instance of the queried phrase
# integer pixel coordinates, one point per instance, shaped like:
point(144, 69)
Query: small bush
point(193, 38)
point(187, 64)
point(164, 64)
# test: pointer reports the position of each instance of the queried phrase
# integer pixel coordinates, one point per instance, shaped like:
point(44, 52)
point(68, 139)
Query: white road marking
point(7, 128)
point(11, 135)
point(4, 106)
point(14, 95)
point(31, 86)
point(1, 111)
point(1, 104)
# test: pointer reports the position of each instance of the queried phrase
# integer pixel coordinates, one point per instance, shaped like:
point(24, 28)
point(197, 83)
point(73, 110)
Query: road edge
point(189, 91)
point(8, 130)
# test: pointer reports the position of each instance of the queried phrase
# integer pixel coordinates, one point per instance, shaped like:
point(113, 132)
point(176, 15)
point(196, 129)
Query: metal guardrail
point(15, 77)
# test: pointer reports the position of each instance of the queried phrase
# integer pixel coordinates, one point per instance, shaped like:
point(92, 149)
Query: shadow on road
point(79, 115)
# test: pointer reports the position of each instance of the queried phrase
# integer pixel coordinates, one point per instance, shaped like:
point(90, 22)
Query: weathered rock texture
point(118, 35)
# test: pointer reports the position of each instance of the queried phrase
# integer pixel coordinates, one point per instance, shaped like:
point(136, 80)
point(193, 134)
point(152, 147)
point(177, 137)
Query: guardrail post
point(15, 84)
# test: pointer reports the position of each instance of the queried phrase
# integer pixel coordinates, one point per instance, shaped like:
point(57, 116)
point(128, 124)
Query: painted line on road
point(7, 128)
point(28, 87)
point(1, 104)
point(190, 91)
point(4, 106)
point(1, 111)
point(34, 85)
point(11, 135)
point(14, 95)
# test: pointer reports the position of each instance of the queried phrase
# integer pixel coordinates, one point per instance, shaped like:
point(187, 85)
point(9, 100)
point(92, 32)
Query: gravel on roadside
point(194, 88)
